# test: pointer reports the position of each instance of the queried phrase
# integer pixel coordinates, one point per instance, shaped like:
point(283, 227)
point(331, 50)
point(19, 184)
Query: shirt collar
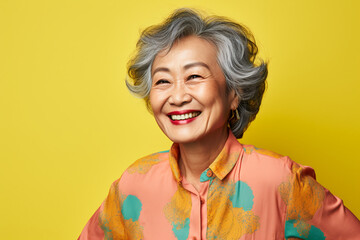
point(222, 164)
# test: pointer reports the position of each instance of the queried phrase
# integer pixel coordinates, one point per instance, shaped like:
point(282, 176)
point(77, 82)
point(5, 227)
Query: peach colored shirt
point(246, 193)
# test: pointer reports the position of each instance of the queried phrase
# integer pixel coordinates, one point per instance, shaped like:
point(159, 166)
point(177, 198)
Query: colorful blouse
point(246, 193)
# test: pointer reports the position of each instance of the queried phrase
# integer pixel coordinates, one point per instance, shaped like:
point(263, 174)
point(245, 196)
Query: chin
point(184, 136)
point(181, 139)
point(180, 133)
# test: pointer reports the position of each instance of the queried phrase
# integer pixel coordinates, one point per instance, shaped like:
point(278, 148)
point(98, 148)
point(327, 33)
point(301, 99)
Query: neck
point(197, 156)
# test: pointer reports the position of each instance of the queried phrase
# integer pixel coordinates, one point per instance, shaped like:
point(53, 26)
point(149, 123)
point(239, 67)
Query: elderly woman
point(198, 78)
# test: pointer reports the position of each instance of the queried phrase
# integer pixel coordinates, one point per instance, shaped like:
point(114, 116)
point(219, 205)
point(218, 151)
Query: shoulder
point(145, 164)
point(253, 151)
point(270, 167)
point(144, 174)
point(274, 162)
point(148, 170)
point(266, 160)
point(276, 171)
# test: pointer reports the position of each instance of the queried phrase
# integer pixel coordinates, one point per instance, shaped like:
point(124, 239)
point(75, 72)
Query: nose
point(179, 95)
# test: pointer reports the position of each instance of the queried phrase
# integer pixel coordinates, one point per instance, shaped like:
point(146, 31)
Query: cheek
point(213, 95)
point(219, 102)
point(156, 102)
point(206, 93)
point(152, 102)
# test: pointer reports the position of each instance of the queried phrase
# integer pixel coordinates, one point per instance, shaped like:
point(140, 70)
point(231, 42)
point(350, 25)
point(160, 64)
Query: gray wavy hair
point(236, 53)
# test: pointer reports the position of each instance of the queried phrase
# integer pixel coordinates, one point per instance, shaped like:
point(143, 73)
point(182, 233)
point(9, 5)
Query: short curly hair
point(236, 53)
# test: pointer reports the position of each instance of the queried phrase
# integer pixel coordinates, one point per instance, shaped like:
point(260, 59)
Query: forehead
point(186, 50)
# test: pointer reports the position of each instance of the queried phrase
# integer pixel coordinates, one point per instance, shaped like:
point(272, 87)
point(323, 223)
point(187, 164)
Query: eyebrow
point(160, 69)
point(190, 65)
point(187, 66)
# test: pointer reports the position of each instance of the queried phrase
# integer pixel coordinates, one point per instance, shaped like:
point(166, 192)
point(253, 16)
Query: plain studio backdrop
point(69, 127)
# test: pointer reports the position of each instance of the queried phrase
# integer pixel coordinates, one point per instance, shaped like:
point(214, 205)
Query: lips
point(183, 117)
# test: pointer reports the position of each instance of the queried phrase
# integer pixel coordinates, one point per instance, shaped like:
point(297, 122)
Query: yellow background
point(69, 127)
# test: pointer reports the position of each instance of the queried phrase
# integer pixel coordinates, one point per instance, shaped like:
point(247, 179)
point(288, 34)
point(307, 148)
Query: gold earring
point(237, 114)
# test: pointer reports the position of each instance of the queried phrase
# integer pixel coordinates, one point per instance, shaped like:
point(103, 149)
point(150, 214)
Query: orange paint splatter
point(225, 221)
point(249, 149)
point(179, 208)
point(303, 196)
point(112, 221)
point(143, 165)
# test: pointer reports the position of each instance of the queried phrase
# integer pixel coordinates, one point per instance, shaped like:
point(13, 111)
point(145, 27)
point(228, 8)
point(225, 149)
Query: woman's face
point(188, 95)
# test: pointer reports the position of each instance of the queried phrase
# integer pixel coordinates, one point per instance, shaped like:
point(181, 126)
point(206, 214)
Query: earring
point(237, 114)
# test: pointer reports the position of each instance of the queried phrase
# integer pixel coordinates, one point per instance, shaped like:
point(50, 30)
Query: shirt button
point(202, 200)
point(209, 173)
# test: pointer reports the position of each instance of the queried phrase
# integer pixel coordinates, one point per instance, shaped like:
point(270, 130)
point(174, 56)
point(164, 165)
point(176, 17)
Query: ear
point(234, 99)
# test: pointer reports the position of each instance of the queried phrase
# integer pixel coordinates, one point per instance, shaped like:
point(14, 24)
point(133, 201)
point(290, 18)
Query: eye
point(193, 76)
point(161, 81)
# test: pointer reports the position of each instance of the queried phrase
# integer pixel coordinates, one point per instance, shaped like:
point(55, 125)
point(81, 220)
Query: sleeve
point(312, 212)
point(107, 222)
point(92, 230)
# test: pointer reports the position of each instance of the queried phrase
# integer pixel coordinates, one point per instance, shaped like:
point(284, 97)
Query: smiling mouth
point(185, 116)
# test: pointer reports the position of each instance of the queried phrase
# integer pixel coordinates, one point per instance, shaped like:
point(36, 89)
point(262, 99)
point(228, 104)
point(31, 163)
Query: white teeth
point(184, 116)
